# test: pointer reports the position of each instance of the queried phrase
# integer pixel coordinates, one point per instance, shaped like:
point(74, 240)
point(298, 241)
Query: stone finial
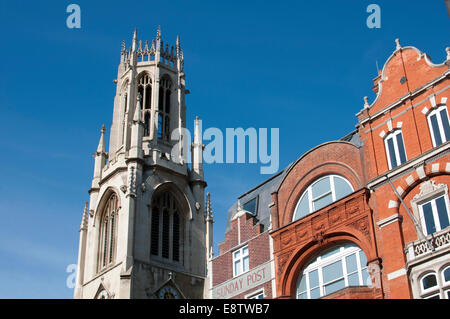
point(134, 44)
point(158, 33)
point(366, 102)
point(448, 53)
point(101, 144)
point(177, 46)
point(398, 45)
point(209, 212)
point(137, 113)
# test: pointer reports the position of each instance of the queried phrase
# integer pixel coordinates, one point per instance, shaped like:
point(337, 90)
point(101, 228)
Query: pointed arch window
point(166, 227)
point(164, 109)
point(108, 230)
point(145, 90)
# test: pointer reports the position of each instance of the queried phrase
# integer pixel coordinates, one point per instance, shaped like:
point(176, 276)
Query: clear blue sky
point(301, 66)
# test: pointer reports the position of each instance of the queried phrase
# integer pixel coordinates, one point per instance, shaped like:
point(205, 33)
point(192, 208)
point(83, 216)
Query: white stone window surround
point(442, 287)
point(429, 192)
point(422, 282)
point(241, 261)
point(312, 200)
point(440, 129)
point(322, 261)
point(399, 150)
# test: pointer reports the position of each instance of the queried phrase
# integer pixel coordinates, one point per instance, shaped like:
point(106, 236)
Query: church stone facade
point(143, 232)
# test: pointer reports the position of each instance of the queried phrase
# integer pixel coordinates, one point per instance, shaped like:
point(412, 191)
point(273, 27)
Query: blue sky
point(300, 66)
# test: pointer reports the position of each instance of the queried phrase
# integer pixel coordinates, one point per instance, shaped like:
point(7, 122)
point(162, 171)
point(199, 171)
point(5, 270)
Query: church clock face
point(168, 293)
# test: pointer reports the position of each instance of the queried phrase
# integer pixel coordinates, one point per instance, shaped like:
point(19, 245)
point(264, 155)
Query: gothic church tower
point(143, 231)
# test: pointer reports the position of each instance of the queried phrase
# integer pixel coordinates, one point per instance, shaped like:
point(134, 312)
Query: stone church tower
point(143, 231)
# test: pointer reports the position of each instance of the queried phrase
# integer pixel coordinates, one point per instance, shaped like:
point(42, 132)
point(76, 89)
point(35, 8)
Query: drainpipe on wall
point(416, 224)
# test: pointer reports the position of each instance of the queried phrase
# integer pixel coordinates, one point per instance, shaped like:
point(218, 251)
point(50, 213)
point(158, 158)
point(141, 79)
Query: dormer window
point(251, 205)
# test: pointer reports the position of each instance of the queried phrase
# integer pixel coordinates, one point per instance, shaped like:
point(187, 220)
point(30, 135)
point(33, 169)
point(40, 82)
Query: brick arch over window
point(337, 158)
point(296, 261)
point(408, 194)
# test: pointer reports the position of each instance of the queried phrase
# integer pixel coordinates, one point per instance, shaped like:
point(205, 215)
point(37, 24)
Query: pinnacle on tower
point(84, 219)
point(101, 144)
point(134, 46)
point(209, 211)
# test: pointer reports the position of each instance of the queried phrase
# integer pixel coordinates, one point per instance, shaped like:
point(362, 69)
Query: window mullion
point(396, 148)
point(437, 222)
point(321, 287)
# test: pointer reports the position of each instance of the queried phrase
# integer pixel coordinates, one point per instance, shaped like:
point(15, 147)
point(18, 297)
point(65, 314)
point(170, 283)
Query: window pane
point(335, 286)
point(362, 259)
point(155, 232)
point(445, 124)
point(237, 267)
point(401, 148)
point(351, 263)
point(353, 279)
point(391, 149)
point(302, 296)
point(303, 206)
point(442, 212)
point(448, 294)
point(245, 250)
point(332, 272)
point(245, 264)
point(165, 235)
point(301, 287)
point(237, 254)
point(429, 281)
point(160, 124)
point(324, 201)
point(315, 293)
point(341, 188)
point(433, 297)
point(330, 252)
point(313, 279)
point(435, 128)
point(321, 187)
point(429, 220)
point(250, 206)
point(447, 274)
point(367, 280)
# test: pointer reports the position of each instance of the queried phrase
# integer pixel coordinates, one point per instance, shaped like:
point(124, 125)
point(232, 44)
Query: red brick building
point(366, 216)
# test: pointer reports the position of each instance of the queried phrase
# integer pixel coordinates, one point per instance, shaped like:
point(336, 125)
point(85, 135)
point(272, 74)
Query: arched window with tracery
point(166, 227)
point(108, 230)
point(145, 90)
point(164, 108)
